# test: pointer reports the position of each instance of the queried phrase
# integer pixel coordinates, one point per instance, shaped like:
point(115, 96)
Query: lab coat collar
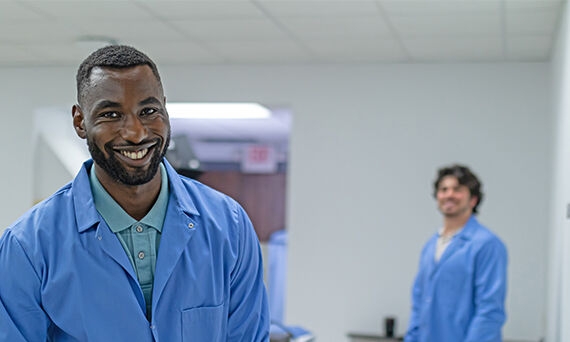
point(86, 214)
point(469, 229)
point(177, 190)
point(458, 242)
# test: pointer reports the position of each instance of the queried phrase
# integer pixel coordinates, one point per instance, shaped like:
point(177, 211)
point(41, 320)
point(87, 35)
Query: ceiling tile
point(440, 8)
point(357, 50)
point(455, 48)
point(16, 11)
point(337, 27)
point(230, 29)
point(533, 5)
point(267, 51)
point(89, 10)
point(124, 30)
point(58, 54)
point(321, 8)
point(35, 31)
point(176, 53)
point(464, 24)
point(184, 10)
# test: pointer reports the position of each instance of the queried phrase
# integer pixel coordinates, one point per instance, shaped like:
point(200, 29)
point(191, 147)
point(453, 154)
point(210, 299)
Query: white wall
point(559, 276)
point(365, 145)
point(22, 91)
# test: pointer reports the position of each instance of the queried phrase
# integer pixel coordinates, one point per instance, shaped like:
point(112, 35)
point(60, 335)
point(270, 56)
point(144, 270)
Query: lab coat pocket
point(203, 324)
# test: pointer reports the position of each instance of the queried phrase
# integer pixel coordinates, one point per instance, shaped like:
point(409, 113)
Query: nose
point(133, 129)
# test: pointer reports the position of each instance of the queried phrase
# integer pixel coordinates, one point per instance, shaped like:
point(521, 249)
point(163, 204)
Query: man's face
point(454, 199)
point(124, 119)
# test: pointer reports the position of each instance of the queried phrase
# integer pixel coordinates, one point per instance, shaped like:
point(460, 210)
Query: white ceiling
point(45, 32)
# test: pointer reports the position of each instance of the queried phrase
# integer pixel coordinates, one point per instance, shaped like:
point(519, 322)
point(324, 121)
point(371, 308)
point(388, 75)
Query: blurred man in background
point(460, 288)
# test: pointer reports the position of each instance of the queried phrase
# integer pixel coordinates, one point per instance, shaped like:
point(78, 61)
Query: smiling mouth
point(135, 155)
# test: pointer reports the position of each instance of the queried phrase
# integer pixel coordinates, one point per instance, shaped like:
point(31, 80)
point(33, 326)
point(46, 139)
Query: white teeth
point(135, 155)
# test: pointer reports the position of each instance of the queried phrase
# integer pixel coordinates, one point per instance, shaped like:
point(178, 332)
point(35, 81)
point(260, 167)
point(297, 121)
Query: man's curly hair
point(112, 56)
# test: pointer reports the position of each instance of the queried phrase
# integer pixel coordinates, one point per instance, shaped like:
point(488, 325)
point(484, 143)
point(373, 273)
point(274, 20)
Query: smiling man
point(459, 291)
point(130, 250)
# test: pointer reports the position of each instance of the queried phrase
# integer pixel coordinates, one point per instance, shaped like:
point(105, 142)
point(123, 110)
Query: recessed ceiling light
point(195, 110)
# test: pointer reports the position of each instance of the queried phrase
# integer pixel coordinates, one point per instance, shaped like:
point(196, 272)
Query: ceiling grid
point(214, 32)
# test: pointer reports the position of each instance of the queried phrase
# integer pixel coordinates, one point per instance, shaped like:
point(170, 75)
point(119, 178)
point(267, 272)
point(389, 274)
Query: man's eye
point(148, 111)
point(110, 115)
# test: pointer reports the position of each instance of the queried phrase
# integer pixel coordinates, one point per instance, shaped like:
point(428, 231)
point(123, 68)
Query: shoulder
point(484, 234)
point(43, 213)
point(222, 218)
point(39, 229)
point(205, 197)
point(430, 243)
point(486, 241)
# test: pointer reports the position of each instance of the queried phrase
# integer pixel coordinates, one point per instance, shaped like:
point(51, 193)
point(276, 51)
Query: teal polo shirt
point(140, 239)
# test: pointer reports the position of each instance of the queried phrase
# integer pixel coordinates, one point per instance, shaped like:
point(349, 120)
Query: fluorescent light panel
point(188, 110)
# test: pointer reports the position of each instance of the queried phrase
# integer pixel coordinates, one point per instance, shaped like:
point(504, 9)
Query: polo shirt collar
point(116, 217)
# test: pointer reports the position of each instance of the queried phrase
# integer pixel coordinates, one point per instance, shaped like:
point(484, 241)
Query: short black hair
point(112, 56)
point(465, 177)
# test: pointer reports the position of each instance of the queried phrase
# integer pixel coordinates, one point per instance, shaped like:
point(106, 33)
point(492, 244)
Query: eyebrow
point(150, 100)
point(105, 104)
point(112, 104)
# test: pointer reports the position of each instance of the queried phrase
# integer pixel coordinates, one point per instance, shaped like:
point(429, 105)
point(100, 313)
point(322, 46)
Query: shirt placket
point(143, 258)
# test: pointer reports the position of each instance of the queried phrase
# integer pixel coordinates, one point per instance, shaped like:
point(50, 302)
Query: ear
point(78, 121)
point(473, 201)
point(166, 110)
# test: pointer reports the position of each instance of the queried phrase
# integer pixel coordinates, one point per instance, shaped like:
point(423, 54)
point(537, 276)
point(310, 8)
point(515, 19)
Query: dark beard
point(114, 168)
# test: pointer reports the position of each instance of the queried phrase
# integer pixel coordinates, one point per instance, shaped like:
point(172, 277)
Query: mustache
point(157, 141)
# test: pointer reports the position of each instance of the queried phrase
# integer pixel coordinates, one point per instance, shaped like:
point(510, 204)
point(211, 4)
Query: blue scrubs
point(461, 298)
point(66, 277)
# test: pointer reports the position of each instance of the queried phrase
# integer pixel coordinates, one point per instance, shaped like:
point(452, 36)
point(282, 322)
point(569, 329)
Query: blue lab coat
point(461, 298)
point(64, 276)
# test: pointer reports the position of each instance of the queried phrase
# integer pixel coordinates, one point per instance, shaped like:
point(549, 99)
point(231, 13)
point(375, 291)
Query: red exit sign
point(259, 159)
